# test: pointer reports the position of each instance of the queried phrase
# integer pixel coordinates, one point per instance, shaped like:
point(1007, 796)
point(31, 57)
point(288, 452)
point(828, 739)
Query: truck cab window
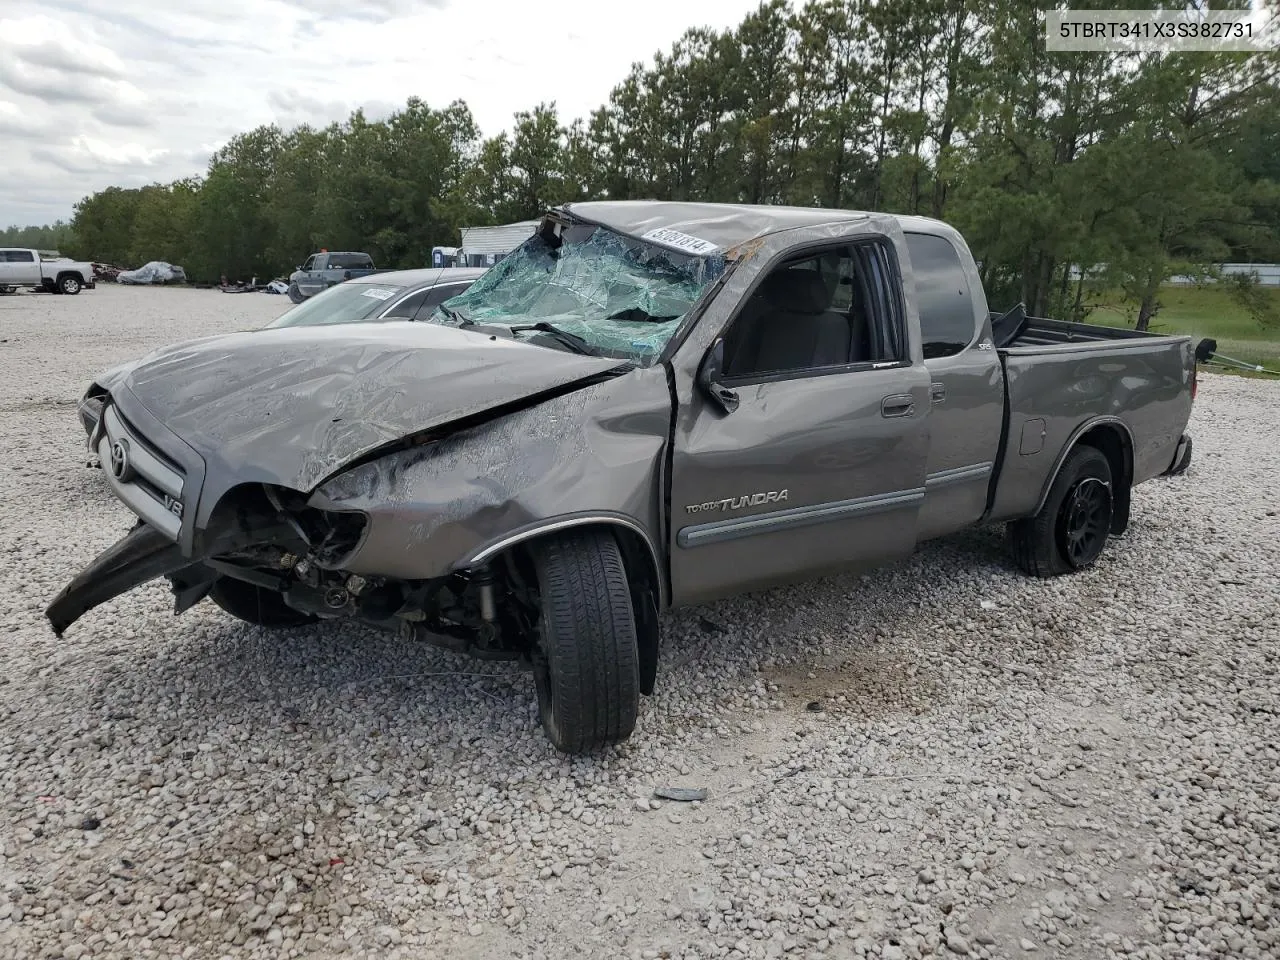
point(947, 322)
point(830, 309)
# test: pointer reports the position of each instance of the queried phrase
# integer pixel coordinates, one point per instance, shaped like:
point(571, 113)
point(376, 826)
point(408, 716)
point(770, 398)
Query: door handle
point(938, 391)
point(899, 405)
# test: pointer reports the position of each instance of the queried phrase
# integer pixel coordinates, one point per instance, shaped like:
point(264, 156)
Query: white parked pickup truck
point(23, 267)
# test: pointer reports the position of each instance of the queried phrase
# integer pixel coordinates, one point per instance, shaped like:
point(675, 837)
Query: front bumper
point(143, 554)
point(146, 553)
point(89, 410)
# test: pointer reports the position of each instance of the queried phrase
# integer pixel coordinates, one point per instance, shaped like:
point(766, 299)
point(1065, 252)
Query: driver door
point(822, 463)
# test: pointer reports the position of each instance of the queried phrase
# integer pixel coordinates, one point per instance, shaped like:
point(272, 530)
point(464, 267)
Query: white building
point(485, 246)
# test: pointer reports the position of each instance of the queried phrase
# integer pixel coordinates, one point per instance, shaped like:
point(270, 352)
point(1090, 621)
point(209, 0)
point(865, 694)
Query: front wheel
point(295, 294)
point(586, 663)
point(69, 285)
point(1071, 529)
point(256, 605)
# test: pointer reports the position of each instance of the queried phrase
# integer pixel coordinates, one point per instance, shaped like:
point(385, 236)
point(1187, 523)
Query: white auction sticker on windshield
point(680, 241)
point(378, 293)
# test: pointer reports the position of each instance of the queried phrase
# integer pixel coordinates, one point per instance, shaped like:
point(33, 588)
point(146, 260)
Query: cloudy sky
point(130, 92)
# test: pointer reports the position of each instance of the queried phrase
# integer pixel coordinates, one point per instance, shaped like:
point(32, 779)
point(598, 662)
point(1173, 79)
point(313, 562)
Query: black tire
point(256, 605)
point(586, 664)
point(69, 284)
point(295, 294)
point(1071, 529)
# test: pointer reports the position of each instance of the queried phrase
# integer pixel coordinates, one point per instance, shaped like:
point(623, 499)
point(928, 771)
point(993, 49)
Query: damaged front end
point(267, 538)
point(148, 552)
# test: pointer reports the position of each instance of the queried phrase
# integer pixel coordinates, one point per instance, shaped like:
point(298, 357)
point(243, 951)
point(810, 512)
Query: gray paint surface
point(597, 450)
point(1141, 386)
point(638, 449)
point(291, 406)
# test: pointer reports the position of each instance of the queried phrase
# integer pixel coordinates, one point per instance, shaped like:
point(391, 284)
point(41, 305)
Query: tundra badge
point(737, 503)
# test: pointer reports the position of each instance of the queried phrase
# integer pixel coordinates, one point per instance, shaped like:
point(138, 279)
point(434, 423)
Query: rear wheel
point(295, 294)
point(68, 284)
point(1071, 529)
point(586, 658)
point(256, 605)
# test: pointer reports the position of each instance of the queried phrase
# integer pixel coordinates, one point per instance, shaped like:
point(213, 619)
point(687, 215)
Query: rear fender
point(1112, 436)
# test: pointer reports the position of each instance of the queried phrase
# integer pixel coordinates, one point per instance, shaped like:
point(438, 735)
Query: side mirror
point(709, 375)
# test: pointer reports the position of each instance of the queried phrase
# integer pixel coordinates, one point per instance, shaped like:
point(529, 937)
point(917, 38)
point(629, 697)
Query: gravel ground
point(939, 758)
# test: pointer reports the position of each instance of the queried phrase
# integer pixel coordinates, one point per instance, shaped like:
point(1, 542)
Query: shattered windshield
point(591, 290)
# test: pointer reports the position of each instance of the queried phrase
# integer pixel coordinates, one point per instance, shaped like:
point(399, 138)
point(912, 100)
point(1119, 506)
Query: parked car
point(645, 405)
point(154, 271)
point(324, 269)
point(393, 295)
point(24, 267)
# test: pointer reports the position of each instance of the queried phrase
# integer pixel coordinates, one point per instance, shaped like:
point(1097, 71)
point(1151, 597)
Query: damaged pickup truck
point(647, 404)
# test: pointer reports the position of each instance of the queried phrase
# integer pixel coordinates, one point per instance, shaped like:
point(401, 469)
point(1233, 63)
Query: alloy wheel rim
point(1084, 521)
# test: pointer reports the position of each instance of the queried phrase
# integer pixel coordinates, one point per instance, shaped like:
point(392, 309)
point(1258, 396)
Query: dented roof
point(721, 226)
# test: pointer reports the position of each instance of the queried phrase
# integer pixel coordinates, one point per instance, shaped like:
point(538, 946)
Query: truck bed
point(1063, 378)
point(1043, 332)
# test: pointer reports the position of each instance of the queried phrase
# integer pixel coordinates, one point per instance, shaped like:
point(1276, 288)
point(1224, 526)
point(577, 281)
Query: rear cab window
point(350, 261)
point(947, 321)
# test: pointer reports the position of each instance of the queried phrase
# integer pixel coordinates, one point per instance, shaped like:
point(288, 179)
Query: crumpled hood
point(294, 405)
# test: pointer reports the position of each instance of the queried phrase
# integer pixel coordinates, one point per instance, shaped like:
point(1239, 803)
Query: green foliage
point(54, 237)
point(1207, 310)
point(1068, 173)
point(1261, 303)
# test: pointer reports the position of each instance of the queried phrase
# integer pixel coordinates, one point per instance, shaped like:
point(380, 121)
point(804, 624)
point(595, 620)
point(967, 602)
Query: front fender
point(592, 453)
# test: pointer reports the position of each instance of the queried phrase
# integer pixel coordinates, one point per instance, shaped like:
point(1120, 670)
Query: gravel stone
point(335, 791)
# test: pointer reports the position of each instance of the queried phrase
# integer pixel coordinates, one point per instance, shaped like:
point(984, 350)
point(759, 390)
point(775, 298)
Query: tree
point(1066, 172)
point(57, 236)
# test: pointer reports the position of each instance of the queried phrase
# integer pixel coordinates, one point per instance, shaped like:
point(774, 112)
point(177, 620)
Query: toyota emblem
point(121, 469)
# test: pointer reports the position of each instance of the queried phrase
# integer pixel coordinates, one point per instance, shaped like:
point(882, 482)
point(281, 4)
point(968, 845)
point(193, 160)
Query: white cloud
point(134, 91)
point(18, 124)
point(56, 69)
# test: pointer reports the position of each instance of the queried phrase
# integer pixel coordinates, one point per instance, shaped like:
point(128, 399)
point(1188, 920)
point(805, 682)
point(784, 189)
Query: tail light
point(1205, 349)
